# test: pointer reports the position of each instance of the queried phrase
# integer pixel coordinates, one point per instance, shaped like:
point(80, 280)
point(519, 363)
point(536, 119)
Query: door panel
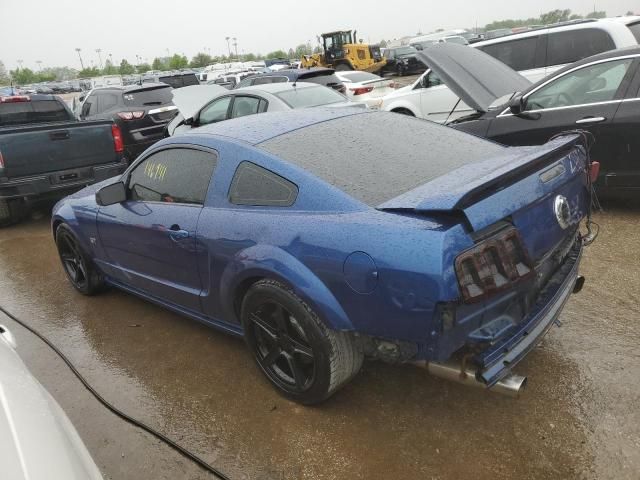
point(151, 246)
point(150, 239)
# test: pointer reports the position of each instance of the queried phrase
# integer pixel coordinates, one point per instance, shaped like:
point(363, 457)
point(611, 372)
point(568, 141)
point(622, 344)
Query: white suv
point(535, 54)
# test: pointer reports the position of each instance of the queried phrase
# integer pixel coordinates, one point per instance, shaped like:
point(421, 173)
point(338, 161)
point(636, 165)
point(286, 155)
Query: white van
point(534, 54)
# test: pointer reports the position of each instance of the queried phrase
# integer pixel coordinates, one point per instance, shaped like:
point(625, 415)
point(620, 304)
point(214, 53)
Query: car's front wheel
point(301, 357)
point(80, 271)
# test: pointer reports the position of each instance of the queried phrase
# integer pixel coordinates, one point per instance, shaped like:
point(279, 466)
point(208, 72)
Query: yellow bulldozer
point(341, 51)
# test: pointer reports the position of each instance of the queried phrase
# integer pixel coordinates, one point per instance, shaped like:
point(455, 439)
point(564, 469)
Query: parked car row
point(534, 54)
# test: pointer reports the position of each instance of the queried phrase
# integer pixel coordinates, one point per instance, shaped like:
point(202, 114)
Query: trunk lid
point(521, 184)
point(477, 78)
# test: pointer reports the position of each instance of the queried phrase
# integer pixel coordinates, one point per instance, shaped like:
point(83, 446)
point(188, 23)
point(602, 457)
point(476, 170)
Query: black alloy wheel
point(282, 348)
point(301, 356)
point(80, 271)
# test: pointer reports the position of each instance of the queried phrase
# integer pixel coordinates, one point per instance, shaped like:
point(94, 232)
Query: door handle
point(59, 135)
point(590, 120)
point(176, 233)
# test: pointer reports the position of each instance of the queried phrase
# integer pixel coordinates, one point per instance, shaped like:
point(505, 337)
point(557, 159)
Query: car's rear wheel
point(306, 361)
point(79, 269)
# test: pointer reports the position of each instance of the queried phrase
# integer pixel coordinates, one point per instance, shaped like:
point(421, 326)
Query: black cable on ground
point(183, 451)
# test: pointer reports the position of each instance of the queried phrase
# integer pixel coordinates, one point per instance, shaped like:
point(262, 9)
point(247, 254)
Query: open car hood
point(477, 78)
point(191, 99)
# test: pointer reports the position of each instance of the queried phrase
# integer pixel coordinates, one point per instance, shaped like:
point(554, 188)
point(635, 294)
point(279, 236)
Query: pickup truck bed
point(50, 159)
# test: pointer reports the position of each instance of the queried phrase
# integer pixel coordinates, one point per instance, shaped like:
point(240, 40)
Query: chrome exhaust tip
point(511, 386)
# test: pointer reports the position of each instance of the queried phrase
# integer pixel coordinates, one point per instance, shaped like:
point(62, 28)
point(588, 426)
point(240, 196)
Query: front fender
point(265, 261)
point(81, 218)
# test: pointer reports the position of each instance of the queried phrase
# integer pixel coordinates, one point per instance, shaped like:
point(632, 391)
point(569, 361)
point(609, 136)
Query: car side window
point(590, 84)
point(90, 106)
point(574, 45)
point(245, 106)
point(518, 54)
point(175, 175)
point(256, 186)
point(107, 101)
point(215, 111)
point(430, 79)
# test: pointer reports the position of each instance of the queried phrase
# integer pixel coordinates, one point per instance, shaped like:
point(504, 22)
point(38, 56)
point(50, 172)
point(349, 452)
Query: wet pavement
point(579, 418)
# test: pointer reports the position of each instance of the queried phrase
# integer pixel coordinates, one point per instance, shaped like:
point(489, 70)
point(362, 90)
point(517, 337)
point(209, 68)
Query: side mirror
point(517, 104)
point(189, 121)
point(111, 194)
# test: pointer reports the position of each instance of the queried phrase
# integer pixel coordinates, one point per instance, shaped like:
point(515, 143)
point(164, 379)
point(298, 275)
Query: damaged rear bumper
point(496, 362)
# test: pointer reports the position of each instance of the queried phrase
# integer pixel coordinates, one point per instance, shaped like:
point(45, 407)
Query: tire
point(306, 361)
point(400, 71)
point(12, 211)
point(79, 269)
point(343, 67)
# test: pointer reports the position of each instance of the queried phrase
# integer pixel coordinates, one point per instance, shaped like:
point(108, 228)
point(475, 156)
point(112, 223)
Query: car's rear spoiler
point(464, 188)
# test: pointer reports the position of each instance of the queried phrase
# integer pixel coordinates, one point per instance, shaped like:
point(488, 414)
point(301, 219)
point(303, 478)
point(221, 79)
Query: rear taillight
point(131, 115)
point(15, 99)
point(118, 143)
point(361, 90)
point(594, 171)
point(493, 265)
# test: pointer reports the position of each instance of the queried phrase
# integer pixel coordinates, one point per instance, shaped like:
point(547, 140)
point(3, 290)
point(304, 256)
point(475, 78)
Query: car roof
point(610, 25)
point(255, 129)
point(277, 87)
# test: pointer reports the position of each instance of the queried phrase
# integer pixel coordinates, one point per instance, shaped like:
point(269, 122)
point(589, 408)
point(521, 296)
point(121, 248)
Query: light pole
point(99, 51)
point(235, 44)
point(39, 62)
point(80, 57)
point(228, 46)
point(20, 62)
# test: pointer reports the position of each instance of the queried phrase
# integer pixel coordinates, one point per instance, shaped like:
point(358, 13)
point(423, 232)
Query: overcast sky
point(51, 30)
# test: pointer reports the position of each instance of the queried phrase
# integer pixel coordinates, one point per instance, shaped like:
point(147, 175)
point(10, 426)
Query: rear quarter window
point(635, 29)
point(518, 54)
point(574, 45)
point(256, 186)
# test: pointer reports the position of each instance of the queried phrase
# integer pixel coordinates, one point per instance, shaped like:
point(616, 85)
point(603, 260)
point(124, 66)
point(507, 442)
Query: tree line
point(22, 76)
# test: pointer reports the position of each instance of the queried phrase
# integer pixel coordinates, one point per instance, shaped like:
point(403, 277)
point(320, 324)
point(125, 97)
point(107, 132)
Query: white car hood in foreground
point(37, 440)
point(191, 99)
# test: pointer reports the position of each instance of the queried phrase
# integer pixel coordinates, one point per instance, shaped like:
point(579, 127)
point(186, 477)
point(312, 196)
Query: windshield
point(309, 97)
point(178, 81)
point(405, 51)
point(458, 40)
point(40, 111)
point(359, 76)
point(153, 96)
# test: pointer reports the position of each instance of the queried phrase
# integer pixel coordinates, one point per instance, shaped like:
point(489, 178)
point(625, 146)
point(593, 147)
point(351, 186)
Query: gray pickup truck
point(45, 152)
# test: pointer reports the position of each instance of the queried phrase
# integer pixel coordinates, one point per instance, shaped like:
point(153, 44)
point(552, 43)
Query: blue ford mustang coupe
point(324, 236)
